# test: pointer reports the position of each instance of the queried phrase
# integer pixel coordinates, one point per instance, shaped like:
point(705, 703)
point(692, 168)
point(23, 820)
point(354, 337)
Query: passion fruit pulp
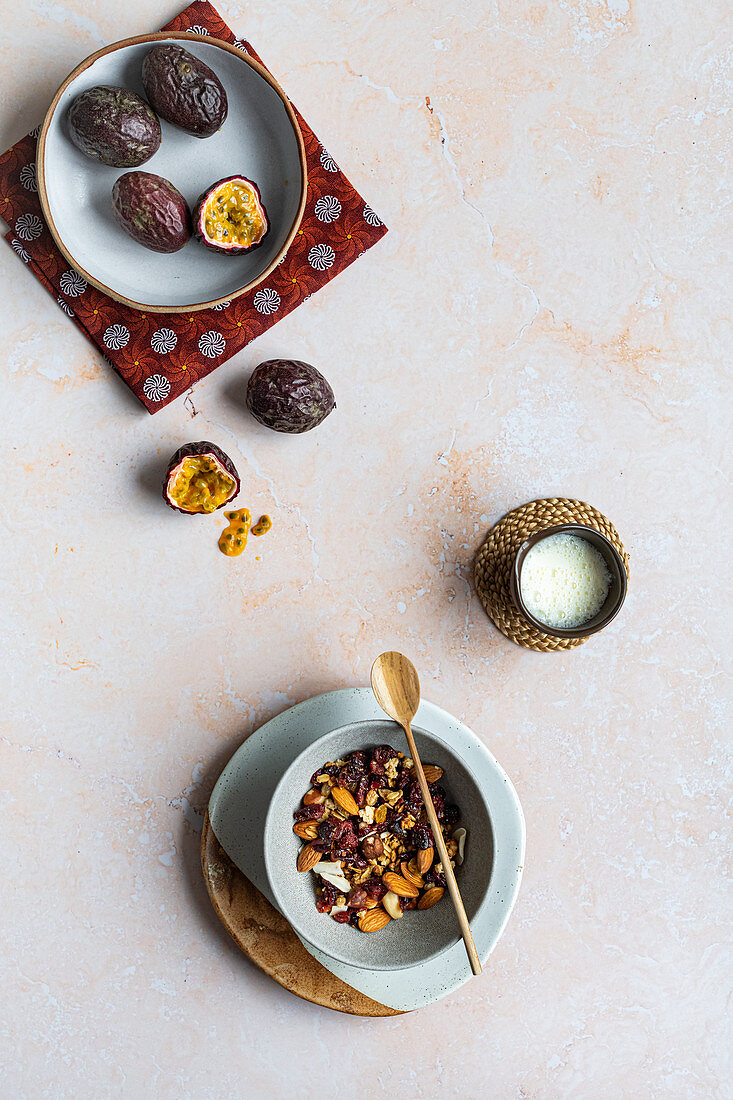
point(231, 217)
point(200, 479)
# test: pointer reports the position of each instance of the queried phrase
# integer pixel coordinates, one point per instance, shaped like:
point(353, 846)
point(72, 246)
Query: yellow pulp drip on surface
point(263, 525)
point(233, 538)
point(234, 216)
point(200, 486)
point(564, 581)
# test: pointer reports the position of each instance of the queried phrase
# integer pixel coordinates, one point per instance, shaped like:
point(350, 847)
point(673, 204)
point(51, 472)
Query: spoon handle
point(450, 878)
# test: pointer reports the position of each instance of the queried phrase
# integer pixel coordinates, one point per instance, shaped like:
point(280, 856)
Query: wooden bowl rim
point(40, 169)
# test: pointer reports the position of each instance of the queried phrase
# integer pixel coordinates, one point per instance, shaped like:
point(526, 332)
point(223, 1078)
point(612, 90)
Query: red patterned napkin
point(160, 355)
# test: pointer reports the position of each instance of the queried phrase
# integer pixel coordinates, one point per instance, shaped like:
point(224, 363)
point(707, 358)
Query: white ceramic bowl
point(260, 139)
point(418, 936)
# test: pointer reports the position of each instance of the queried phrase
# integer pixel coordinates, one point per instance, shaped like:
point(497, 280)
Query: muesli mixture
point(368, 840)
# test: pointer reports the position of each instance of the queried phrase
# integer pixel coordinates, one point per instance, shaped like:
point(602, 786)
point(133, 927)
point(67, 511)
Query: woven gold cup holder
point(495, 558)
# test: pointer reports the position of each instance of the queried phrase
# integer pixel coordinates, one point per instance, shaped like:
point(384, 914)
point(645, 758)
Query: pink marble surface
point(548, 316)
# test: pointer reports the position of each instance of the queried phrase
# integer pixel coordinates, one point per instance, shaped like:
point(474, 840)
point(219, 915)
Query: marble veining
point(547, 316)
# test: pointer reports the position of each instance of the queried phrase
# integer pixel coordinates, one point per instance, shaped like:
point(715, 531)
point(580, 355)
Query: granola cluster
point(368, 839)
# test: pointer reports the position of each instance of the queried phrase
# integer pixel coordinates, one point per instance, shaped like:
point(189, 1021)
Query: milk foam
point(565, 580)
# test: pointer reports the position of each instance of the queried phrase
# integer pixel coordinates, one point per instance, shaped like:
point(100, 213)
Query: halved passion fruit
point(200, 479)
point(230, 216)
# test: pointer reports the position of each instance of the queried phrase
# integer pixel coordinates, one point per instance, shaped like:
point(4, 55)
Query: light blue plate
point(241, 798)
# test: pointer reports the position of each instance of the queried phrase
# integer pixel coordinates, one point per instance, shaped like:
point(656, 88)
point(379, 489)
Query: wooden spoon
point(397, 688)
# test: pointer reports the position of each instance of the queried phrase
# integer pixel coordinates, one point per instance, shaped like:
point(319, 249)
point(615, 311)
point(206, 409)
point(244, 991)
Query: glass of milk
point(568, 581)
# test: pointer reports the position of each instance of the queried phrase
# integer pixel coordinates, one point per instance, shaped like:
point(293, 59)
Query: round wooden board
point(267, 939)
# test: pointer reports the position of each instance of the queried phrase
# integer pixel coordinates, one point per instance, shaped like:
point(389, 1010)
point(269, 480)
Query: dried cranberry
point(452, 814)
point(403, 778)
point(376, 782)
point(320, 845)
point(308, 813)
point(414, 793)
point(375, 888)
point(347, 842)
point(354, 918)
point(357, 898)
point(327, 898)
point(422, 837)
point(342, 918)
point(439, 806)
point(382, 753)
point(358, 862)
point(327, 769)
point(361, 790)
point(326, 829)
point(347, 836)
point(376, 769)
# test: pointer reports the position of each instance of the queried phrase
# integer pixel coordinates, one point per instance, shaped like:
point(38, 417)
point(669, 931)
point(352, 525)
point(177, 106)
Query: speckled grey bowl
point(419, 936)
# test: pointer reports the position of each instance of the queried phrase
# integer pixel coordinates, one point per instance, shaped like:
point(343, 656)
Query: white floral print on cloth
point(156, 387)
point(327, 162)
point(370, 217)
point(327, 209)
point(116, 337)
point(197, 29)
point(212, 344)
point(321, 257)
point(19, 250)
point(222, 305)
point(29, 227)
point(28, 177)
point(266, 301)
point(163, 340)
point(72, 284)
point(65, 306)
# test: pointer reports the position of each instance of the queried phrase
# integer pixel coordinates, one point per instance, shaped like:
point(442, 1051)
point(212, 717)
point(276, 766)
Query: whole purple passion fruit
point(289, 396)
point(230, 216)
point(184, 91)
point(152, 211)
point(200, 479)
point(114, 126)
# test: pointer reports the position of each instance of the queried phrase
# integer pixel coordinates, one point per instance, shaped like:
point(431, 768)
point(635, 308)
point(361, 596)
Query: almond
point(412, 874)
point(431, 897)
point(372, 920)
point(399, 885)
point(308, 857)
point(371, 903)
point(425, 859)
point(345, 800)
point(432, 772)
point(312, 798)
point(391, 903)
point(307, 830)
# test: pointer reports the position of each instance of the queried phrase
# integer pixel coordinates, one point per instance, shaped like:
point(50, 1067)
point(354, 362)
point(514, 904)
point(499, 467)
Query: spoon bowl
point(396, 686)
